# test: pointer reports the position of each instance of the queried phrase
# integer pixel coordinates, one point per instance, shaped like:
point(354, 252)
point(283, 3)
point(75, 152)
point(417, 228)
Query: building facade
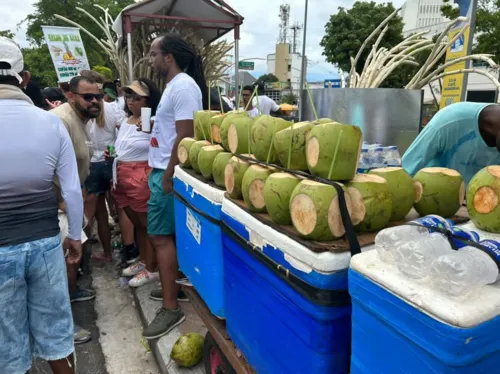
point(286, 65)
point(423, 15)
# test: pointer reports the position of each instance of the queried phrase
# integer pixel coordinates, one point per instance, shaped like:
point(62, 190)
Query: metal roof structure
point(210, 19)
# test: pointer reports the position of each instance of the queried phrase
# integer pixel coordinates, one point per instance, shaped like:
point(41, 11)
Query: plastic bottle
point(463, 233)
point(378, 157)
point(392, 156)
point(461, 272)
point(388, 239)
point(414, 257)
point(364, 162)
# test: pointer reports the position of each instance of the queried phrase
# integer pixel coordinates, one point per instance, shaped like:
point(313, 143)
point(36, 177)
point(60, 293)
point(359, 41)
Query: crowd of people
point(78, 152)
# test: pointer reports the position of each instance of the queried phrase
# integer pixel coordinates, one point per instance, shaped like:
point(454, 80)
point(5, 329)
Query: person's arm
point(426, 147)
point(275, 108)
point(185, 104)
point(69, 181)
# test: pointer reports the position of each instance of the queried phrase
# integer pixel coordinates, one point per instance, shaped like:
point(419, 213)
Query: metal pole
point(130, 58)
point(471, 14)
point(304, 64)
point(236, 66)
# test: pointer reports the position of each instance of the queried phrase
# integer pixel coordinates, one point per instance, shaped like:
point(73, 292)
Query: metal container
point(388, 116)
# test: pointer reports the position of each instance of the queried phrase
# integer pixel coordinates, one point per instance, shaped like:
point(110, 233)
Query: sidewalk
point(162, 347)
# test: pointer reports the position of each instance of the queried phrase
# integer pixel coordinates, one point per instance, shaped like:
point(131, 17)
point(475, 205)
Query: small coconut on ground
point(262, 133)
point(371, 202)
point(278, 190)
point(332, 151)
point(202, 119)
point(238, 135)
point(483, 198)
point(252, 187)
point(401, 188)
point(183, 151)
point(233, 176)
point(315, 211)
point(194, 151)
point(218, 167)
point(439, 191)
point(294, 137)
point(206, 158)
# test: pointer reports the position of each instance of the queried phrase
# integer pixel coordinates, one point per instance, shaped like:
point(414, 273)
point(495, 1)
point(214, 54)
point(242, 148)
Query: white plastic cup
point(146, 119)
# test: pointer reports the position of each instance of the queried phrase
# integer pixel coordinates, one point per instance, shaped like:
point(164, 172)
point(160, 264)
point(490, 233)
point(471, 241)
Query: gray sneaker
point(164, 322)
point(80, 335)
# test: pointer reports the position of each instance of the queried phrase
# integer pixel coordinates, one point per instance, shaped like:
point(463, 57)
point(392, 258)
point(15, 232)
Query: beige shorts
point(63, 226)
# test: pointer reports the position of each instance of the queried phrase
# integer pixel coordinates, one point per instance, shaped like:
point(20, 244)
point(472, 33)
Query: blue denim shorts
point(161, 219)
point(99, 179)
point(35, 311)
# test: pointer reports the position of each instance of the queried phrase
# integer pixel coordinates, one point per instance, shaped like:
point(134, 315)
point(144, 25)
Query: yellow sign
point(453, 85)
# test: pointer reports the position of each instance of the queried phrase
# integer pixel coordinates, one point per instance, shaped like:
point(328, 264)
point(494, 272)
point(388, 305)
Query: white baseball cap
point(11, 54)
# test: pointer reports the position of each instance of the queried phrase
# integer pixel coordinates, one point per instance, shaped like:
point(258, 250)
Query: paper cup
point(146, 119)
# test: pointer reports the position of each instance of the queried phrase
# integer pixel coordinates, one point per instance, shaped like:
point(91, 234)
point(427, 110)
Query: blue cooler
point(287, 308)
point(198, 236)
point(403, 326)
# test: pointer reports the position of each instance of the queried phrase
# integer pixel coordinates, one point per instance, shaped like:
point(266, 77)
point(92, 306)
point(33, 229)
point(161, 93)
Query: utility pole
point(304, 64)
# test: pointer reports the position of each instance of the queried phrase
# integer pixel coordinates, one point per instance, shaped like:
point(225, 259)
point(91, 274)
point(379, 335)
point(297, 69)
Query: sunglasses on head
point(88, 97)
point(134, 97)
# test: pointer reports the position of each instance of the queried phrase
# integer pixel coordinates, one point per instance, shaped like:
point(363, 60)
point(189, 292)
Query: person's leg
point(103, 226)
point(166, 256)
point(49, 309)
point(144, 241)
point(126, 227)
point(161, 230)
point(89, 209)
point(15, 350)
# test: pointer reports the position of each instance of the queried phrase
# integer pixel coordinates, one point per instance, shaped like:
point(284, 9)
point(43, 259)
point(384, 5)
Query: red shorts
point(132, 185)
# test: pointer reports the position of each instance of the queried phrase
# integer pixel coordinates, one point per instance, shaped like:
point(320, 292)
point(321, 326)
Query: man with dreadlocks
point(175, 60)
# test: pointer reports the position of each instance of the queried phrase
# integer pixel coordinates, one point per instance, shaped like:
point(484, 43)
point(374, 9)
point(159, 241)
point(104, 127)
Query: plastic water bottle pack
point(422, 250)
point(374, 156)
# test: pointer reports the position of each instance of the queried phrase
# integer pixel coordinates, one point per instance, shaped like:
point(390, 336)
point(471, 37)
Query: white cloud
point(259, 32)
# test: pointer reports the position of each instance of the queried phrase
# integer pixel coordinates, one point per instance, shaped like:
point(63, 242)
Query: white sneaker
point(134, 269)
point(144, 277)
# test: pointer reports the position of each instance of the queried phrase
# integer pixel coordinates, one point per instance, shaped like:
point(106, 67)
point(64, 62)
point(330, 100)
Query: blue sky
point(259, 32)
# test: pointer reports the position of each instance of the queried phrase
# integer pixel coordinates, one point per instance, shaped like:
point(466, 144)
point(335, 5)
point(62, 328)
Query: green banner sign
point(246, 65)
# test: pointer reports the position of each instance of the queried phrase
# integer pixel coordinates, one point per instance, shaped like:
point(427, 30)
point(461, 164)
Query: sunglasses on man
point(88, 97)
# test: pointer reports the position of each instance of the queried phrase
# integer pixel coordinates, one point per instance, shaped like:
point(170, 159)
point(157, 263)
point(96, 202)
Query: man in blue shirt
point(463, 136)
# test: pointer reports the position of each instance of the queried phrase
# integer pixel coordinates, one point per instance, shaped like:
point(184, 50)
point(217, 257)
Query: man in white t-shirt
point(176, 61)
point(246, 94)
point(265, 104)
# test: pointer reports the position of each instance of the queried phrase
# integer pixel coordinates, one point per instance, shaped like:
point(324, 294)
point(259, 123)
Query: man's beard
point(85, 113)
point(162, 72)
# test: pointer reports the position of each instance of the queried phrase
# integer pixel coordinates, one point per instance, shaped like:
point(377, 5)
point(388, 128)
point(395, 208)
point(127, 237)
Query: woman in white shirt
point(130, 176)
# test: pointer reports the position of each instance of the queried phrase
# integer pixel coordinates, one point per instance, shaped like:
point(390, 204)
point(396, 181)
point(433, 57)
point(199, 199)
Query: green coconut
point(315, 212)
point(194, 151)
point(371, 202)
point(237, 135)
point(262, 134)
point(215, 123)
point(333, 142)
point(483, 196)
point(183, 151)
point(252, 187)
point(202, 120)
point(439, 191)
point(224, 127)
point(401, 188)
point(320, 121)
point(233, 176)
point(295, 137)
point(206, 158)
point(277, 193)
point(219, 166)
point(188, 350)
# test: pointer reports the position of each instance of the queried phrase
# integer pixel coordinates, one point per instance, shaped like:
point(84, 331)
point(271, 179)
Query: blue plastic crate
point(282, 312)
point(198, 237)
point(392, 335)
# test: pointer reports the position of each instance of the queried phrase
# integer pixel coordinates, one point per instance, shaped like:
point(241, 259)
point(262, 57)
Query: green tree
point(44, 15)
point(7, 33)
point(268, 78)
point(289, 98)
point(487, 25)
point(346, 31)
point(39, 63)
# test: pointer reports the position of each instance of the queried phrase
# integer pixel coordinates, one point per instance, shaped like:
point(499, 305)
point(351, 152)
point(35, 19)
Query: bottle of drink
point(414, 257)
point(458, 273)
point(463, 233)
point(378, 157)
point(388, 239)
point(392, 156)
point(364, 162)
